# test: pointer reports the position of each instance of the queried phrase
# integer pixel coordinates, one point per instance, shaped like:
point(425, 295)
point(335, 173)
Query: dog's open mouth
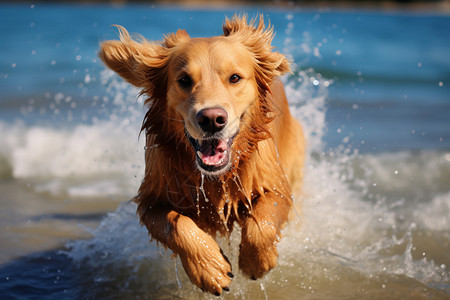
point(213, 155)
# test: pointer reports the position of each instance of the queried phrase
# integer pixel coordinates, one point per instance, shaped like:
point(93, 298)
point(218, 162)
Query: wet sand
point(33, 222)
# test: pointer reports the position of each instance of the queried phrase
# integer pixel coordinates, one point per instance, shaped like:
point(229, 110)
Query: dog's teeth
point(199, 154)
point(223, 158)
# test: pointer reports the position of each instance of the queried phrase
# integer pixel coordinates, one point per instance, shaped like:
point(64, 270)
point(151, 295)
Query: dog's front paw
point(255, 261)
point(258, 252)
point(207, 266)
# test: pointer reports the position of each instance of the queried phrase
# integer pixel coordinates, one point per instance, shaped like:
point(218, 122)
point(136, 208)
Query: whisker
point(174, 119)
point(180, 140)
point(174, 135)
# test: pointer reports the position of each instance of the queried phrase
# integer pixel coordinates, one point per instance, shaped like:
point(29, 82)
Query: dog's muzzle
point(212, 152)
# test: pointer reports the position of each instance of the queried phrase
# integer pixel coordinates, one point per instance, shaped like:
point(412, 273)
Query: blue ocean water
point(372, 89)
point(390, 71)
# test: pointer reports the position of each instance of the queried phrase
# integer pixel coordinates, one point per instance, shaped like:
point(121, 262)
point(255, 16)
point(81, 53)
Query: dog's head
point(204, 87)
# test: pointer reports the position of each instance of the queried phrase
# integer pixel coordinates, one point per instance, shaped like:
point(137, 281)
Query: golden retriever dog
point(221, 145)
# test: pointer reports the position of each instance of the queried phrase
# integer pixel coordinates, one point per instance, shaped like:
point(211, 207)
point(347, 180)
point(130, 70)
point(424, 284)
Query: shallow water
point(371, 89)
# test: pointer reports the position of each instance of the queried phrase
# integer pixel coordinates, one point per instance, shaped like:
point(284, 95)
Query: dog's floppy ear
point(258, 39)
point(139, 62)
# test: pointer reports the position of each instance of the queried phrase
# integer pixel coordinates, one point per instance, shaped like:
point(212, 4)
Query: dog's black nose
point(212, 120)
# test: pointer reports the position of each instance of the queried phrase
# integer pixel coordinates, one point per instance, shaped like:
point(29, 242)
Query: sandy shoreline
point(33, 222)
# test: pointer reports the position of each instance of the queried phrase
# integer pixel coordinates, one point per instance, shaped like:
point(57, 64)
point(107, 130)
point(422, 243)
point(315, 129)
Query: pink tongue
point(213, 152)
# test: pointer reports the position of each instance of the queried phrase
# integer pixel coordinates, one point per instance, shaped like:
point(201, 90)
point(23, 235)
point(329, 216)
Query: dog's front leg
point(260, 233)
point(202, 258)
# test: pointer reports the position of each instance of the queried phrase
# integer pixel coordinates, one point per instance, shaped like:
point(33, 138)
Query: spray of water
point(347, 233)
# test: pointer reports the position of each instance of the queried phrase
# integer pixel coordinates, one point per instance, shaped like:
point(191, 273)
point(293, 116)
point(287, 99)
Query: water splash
point(240, 186)
point(202, 188)
point(351, 232)
point(263, 289)
point(177, 274)
point(345, 234)
point(197, 202)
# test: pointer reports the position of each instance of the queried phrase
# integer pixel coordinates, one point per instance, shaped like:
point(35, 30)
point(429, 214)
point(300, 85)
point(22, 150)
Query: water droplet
point(197, 203)
point(202, 189)
point(87, 78)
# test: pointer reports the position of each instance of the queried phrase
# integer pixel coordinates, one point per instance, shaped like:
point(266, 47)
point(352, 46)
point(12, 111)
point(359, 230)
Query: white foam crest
point(333, 216)
point(87, 160)
point(434, 215)
point(340, 227)
point(423, 270)
point(101, 150)
point(306, 95)
point(416, 174)
point(119, 237)
point(104, 157)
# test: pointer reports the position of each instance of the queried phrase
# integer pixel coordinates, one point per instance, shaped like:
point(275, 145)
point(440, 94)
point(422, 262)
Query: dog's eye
point(235, 78)
point(185, 81)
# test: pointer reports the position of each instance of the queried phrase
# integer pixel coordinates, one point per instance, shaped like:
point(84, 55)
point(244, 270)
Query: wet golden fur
point(182, 208)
